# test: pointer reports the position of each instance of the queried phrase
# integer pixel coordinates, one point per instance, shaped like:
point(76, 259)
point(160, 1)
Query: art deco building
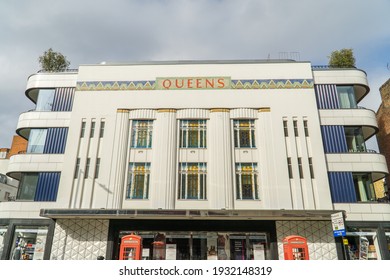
point(206, 159)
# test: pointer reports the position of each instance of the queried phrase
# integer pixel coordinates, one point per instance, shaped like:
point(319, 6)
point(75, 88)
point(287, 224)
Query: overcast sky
point(91, 31)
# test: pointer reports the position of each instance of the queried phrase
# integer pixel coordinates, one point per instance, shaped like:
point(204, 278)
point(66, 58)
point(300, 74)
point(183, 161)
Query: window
point(295, 123)
point(311, 168)
point(347, 99)
point(306, 129)
point(141, 134)
point(138, 183)
point(192, 180)
point(29, 242)
point(300, 168)
point(42, 186)
point(3, 232)
point(88, 163)
point(289, 166)
point(77, 169)
point(45, 100)
point(82, 133)
point(364, 188)
point(285, 128)
point(7, 196)
point(92, 132)
point(3, 179)
point(246, 181)
point(355, 139)
point(97, 168)
point(28, 186)
point(102, 125)
point(36, 141)
point(193, 134)
point(244, 133)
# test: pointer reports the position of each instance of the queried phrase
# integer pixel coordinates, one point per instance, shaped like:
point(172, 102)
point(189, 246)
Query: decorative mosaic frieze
point(195, 84)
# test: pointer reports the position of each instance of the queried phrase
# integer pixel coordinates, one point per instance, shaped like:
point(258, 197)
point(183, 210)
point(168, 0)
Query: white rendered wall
point(166, 107)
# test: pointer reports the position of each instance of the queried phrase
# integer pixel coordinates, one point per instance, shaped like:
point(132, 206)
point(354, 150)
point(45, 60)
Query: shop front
point(197, 240)
point(367, 241)
point(22, 239)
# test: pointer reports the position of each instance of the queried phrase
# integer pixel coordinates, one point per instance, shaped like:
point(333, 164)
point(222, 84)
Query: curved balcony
point(343, 76)
point(360, 116)
point(37, 119)
point(49, 80)
point(370, 162)
point(21, 163)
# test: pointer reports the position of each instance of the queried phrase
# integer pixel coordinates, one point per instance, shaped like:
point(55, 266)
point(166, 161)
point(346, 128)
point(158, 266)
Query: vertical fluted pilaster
point(119, 164)
point(164, 157)
point(220, 166)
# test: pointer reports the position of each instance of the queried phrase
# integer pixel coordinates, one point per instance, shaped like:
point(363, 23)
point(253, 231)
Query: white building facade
point(218, 159)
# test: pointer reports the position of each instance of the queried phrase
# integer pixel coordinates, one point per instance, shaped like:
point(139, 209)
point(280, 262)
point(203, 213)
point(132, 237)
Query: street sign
point(338, 224)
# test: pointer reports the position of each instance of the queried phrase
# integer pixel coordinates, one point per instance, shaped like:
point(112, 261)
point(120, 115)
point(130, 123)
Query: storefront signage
point(193, 83)
point(338, 224)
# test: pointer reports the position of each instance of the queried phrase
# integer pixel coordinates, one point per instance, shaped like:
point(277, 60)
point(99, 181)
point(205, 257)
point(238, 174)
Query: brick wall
point(19, 145)
point(383, 119)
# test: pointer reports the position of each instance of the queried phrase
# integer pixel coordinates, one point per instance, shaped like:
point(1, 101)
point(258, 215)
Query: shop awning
point(315, 215)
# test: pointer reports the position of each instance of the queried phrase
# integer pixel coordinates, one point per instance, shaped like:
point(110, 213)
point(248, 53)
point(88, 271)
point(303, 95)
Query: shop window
point(192, 180)
point(29, 243)
point(141, 134)
point(184, 245)
point(3, 231)
point(244, 133)
point(246, 181)
point(346, 95)
point(387, 234)
point(193, 134)
point(138, 181)
point(361, 244)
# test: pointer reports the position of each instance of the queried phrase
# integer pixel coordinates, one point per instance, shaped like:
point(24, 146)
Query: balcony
point(370, 162)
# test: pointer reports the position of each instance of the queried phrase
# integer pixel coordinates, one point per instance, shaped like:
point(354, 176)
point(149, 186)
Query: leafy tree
point(52, 61)
point(342, 59)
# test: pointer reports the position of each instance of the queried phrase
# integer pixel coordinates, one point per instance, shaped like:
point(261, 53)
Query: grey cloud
point(91, 31)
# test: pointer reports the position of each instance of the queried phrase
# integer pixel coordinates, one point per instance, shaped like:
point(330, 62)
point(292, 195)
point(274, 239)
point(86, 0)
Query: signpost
point(338, 224)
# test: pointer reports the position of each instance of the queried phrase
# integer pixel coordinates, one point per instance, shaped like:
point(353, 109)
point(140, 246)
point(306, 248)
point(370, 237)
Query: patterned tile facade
point(235, 84)
point(79, 239)
point(319, 235)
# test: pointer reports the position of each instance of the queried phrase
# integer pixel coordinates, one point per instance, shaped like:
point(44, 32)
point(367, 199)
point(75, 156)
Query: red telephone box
point(295, 248)
point(131, 247)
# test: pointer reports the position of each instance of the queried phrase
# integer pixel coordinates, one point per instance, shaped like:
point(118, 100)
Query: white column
point(164, 155)
point(220, 171)
point(119, 163)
